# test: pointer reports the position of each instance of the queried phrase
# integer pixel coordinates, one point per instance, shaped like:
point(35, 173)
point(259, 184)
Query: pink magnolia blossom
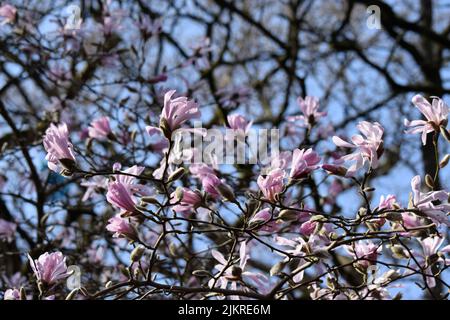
point(365, 250)
point(121, 227)
point(239, 123)
point(387, 202)
point(177, 111)
point(235, 273)
point(49, 268)
point(272, 184)
point(8, 13)
point(280, 160)
point(263, 218)
point(303, 163)
point(100, 128)
point(368, 148)
point(119, 195)
point(307, 228)
point(310, 109)
point(7, 230)
point(93, 185)
point(200, 170)
point(425, 202)
point(59, 149)
point(12, 294)
point(187, 202)
point(129, 177)
point(436, 114)
point(431, 255)
point(210, 182)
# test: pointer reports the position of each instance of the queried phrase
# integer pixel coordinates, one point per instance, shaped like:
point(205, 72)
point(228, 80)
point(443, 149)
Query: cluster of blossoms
point(156, 226)
point(269, 211)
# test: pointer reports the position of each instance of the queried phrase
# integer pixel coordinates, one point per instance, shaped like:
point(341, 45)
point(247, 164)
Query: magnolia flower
point(59, 149)
point(100, 128)
point(263, 219)
point(368, 148)
point(121, 227)
point(235, 273)
point(186, 200)
point(119, 195)
point(387, 202)
point(318, 293)
point(17, 280)
point(307, 228)
point(239, 123)
point(49, 268)
point(272, 184)
point(310, 109)
point(8, 13)
point(92, 185)
point(210, 184)
point(434, 204)
point(200, 170)
point(435, 113)
point(7, 230)
point(177, 111)
point(12, 294)
point(303, 162)
point(298, 246)
point(365, 250)
point(280, 160)
point(431, 255)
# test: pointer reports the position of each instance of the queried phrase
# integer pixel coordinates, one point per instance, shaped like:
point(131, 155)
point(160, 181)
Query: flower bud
point(226, 192)
point(165, 128)
point(444, 161)
point(288, 215)
point(445, 133)
point(394, 216)
point(399, 252)
point(137, 253)
point(177, 174)
point(429, 181)
point(277, 268)
point(23, 294)
point(148, 199)
point(201, 273)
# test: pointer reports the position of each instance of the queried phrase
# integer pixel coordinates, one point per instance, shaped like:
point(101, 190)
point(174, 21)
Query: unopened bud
point(277, 268)
point(399, 252)
point(148, 199)
point(445, 133)
point(288, 215)
point(444, 161)
point(429, 181)
point(173, 249)
point(318, 218)
point(164, 125)
point(394, 216)
point(137, 253)
point(226, 192)
point(369, 189)
point(23, 293)
point(201, 273)
point(177, 174)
